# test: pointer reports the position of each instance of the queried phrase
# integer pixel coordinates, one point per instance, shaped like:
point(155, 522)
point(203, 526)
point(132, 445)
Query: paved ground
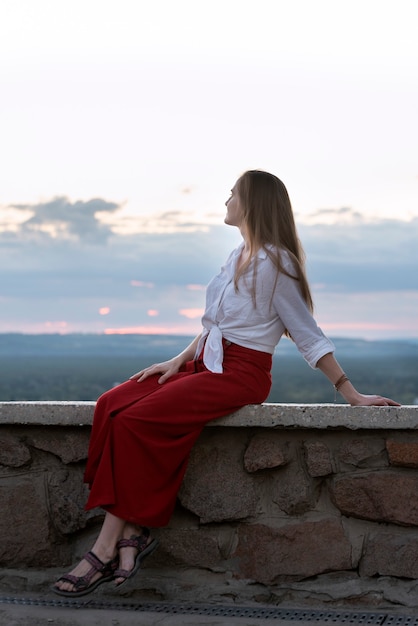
point(45, 610)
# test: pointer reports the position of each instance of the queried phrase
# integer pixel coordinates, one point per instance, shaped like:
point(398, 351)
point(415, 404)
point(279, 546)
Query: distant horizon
point(391, 339)
point(81, 366)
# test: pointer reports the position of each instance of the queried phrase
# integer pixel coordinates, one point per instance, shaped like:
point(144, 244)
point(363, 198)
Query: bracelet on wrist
point(340, 382)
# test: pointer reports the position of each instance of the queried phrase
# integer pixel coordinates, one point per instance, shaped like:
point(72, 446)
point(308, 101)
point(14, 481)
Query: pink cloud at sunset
point(191, 313)
point(104, 310)
point(141, 283)
point(60, 326)
point(196, 287)
point(192, 326)
point(153, 312)
point(154, 330)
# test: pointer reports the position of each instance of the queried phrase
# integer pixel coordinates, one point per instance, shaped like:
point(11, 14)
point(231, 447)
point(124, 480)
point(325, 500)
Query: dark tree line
point(71, 377)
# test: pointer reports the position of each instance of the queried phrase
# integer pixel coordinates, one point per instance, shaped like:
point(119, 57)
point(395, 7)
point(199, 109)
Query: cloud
point(141, 283)
point(325, 216)
point(61, 264)
point(196, 287)
point(61, 219)
point(192, 313)
point(356, 254)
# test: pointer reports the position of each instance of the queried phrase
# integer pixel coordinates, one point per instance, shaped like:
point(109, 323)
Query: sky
point(124, 124)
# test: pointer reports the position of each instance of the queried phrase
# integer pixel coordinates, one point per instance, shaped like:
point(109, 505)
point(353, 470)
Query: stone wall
point(273, 495)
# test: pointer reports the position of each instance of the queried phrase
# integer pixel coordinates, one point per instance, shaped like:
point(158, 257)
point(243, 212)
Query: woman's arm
point(315, 347)
point(333, 371)
point(170, 367)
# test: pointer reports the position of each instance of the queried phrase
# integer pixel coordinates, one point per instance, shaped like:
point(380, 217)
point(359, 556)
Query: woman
point(144, 429)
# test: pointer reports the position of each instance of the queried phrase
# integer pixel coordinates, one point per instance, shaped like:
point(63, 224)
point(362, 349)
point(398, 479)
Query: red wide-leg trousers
point(143, 432)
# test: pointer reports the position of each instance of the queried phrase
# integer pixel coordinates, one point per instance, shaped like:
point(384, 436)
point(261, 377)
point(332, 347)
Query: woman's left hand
point(363, 400)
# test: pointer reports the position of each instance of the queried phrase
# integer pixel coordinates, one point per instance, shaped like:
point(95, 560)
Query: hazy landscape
point(82, 366)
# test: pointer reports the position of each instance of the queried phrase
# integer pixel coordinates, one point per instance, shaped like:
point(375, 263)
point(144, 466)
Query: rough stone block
point(216, 486)
point(318, 459)
point(67, 495)
point(386, 496)
point(70, 446)
point(27, 536)
point(402, 453)
point(293, 490)
point(364, 452)
point(265, 450)
point(13, 453)
point(391, 553)
point(188, 547)
point(292, 552)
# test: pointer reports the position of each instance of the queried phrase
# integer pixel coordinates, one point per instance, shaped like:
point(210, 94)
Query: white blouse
point(279, 305)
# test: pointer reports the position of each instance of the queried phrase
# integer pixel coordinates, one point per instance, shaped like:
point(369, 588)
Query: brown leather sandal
point(140, 543)
point(82, 585)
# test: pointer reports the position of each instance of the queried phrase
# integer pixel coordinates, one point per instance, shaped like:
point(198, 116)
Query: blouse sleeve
point(298, 320)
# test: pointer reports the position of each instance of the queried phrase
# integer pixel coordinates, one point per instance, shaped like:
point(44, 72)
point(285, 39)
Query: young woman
point(143, 430)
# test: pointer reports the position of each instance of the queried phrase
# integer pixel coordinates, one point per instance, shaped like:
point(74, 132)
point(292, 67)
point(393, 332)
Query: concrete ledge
point(317, 416)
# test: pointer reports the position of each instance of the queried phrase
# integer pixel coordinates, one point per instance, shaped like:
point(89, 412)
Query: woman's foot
point(98, 565)
point(86, 576)
point(135, 545)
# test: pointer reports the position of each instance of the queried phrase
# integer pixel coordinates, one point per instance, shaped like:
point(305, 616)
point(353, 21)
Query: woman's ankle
point(104, 552)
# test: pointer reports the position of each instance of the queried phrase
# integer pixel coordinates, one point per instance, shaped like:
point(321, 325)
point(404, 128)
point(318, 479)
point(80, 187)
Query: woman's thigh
point(198, 395)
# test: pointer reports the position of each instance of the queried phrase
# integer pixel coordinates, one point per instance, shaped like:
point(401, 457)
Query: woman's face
point(234, 213)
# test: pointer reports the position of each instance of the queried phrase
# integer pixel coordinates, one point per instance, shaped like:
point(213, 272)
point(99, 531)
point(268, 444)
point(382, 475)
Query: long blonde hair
point(268, 217)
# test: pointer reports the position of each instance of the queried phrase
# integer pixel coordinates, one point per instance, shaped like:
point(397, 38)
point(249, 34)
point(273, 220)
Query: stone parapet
point(268, 415)
point(275, 496)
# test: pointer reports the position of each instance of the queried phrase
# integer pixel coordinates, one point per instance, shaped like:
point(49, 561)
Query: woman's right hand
point(170, 367)
point(166, 368)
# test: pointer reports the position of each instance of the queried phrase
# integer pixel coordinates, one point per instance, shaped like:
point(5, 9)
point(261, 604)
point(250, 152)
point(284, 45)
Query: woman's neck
point(245, 253)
